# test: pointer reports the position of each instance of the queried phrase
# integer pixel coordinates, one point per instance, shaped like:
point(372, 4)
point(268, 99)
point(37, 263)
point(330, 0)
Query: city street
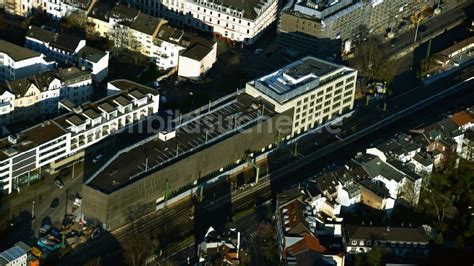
point(37, 198)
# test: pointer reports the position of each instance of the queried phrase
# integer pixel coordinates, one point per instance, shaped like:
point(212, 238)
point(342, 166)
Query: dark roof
point(122, 101)
point(197, 51)
point(327, 183)
point(248, 6)
point(72, 74)
point(128, 85)
point(137, 94)
point(75, 120)
point(66, 42)
point(100, 11)
point(377, 187)
point(424, 160)
point(123, 12)
point(33, 137)
point(145, 23)
point(17, 53)
point(91, 113)
point(19, 87)
point(403, 168)
point(40, 34)
point(110, 179)
point(91, 54)
point(377, 167)
point(107, 107)
point(84, 4)
point(43, 80)
point(395, 234)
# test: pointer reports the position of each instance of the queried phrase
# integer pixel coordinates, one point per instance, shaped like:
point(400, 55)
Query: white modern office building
point(315, 89)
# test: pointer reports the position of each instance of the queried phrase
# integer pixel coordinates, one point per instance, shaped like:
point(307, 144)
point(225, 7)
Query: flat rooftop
point(297, 78)
point(191, 136)
point(30, 138)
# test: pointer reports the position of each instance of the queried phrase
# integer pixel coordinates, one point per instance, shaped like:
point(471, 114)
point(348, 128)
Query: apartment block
point(319, 27)
point(39, 95)
point(165, 45)
point(55, 9)
point(17, 62)
point(239, 21)
point(315, 89)
point(25, 155)
point(68, 49)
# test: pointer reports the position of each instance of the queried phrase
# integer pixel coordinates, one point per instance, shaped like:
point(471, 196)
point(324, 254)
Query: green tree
point(439, 240)
point(374, 256)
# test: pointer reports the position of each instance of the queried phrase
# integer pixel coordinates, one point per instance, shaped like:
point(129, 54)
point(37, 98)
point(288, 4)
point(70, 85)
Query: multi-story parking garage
point(214, 137)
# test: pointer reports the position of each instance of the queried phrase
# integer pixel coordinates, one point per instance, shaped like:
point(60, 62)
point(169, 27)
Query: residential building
point(234, 20)
point(17, 62)
point(165, 45)
point(400, 241)
point(39, 95)
point(394, 176)
point(468, 146)
point(25, 155)
point(374, 194)
point(16, 255)
point(422, 164)
point(197, 59)
point(319, 27)
point(315, 89)
point(218, 249)
point(7, 104)
point(54, 9)
point(402, 148)
point(98, 19)
point(68, 49)
point(296, 227)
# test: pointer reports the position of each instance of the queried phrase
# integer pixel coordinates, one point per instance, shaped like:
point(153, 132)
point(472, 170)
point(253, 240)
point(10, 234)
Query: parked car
point(77, 202)
point(59, 183)
point(45, 229)
point(55, 203)
point(97, 158)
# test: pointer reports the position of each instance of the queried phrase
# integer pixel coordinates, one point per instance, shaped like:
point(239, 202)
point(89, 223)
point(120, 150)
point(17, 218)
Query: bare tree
point(408, 193)
point(140, 245)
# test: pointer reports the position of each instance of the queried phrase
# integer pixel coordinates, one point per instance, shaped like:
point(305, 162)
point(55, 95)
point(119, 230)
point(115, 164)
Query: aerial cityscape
point(236, 132)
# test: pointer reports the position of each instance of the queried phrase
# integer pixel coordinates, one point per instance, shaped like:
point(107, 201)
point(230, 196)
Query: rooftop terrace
point(299, 77)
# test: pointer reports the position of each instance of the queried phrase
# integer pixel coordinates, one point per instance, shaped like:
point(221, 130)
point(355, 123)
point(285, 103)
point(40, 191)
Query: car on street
point(394, 42)
point(97, 158)
point(45, 229)
point(54, 203)
point(59, 183)
point(257, 51)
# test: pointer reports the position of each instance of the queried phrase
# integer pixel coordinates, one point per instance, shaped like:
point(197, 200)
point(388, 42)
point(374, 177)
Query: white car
point(97, 158)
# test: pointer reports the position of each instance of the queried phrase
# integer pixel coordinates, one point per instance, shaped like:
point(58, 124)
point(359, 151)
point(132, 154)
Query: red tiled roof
point(462, 118)
point(308, 243)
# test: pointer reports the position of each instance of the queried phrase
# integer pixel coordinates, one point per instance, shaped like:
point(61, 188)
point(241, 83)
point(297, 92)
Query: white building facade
point(23, 156)
point(17, 62)
point(315, 89)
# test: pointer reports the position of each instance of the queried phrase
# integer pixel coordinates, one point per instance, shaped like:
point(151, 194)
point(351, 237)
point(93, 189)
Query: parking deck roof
point(191, 135)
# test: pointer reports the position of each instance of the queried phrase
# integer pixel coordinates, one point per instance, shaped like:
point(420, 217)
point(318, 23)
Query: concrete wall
point(111, 209)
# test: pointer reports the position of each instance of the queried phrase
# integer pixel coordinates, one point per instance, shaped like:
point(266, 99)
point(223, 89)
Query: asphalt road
point(37, 198)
